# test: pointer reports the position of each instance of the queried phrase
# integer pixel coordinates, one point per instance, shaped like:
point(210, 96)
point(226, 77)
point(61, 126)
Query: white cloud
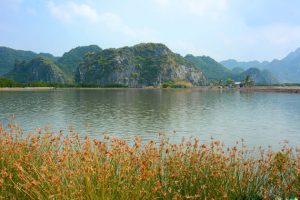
point(84, 11)
point(201, 8)
point(60, 12)
point(71, 12)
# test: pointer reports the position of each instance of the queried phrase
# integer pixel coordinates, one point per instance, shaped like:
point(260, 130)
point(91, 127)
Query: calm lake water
point(259, 118)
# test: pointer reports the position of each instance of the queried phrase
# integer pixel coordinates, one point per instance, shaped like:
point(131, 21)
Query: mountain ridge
point(211, 68)
point(39, 69)
point(147, 64)
point(264, 77)
point(286, 70)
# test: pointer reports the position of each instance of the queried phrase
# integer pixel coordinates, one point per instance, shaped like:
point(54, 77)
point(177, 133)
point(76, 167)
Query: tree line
point(11, 83)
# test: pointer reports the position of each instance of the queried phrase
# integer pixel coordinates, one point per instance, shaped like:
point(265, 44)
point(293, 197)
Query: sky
point(222, 29)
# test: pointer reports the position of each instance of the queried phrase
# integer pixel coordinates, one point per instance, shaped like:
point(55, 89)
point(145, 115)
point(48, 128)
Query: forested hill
point(145, 64)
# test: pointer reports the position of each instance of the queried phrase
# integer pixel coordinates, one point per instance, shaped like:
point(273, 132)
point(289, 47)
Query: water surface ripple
point(259, 118)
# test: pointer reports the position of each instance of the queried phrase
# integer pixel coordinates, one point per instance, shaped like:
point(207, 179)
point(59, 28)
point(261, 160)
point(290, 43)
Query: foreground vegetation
point(63, 166)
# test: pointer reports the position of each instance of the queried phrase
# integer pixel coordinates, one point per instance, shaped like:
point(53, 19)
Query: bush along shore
point(7, 83)
point(45, 165)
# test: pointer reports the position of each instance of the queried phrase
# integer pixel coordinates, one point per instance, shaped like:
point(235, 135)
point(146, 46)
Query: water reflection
point(259, 118)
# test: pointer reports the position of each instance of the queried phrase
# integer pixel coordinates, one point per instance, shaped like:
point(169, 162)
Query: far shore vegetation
point(248, 82)
point(45, 165)
point(11, 84)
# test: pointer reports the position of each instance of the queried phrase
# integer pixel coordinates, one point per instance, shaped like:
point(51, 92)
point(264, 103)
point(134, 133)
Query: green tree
point(229, 82)
point(248, 82)
point(7, 83)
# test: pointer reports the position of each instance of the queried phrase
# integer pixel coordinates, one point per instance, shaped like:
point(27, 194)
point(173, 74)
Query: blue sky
point(222, 29)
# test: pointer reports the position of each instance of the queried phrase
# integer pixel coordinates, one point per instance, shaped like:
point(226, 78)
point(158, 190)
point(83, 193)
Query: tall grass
point(63, 166)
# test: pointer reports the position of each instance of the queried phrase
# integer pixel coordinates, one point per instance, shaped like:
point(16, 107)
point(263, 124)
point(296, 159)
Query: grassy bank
point(63, 166)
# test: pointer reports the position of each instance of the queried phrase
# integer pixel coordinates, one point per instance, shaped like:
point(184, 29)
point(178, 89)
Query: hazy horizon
point(221, 29)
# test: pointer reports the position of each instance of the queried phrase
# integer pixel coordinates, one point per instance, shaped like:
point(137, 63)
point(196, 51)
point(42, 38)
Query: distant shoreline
point(291, 89)
point(25, 88)
point(288, 89)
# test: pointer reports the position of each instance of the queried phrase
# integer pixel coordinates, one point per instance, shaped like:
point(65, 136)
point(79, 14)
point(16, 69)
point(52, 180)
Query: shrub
point(177, 84)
